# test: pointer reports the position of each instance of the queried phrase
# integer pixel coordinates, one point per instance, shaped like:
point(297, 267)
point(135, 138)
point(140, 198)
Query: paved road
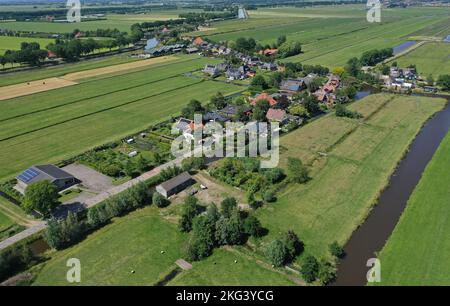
point(64, 209)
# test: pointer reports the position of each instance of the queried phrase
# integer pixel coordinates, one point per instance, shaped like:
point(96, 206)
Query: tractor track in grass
point(96, 112)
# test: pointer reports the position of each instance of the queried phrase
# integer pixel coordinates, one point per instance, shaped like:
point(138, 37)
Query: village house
point(269, 66)
point(264, 96)
point(290, 87)
point(214, 117)
point(199, 42)
point(192, 50)
point(211, 70)
point(58, 177)
point(268, 52)
point(187, 128)
point(277, 115)
point(230, 111)
point(223, 66)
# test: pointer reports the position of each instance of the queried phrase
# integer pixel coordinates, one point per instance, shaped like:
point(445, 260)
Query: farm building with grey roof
point(175, 185)
point(51, 173)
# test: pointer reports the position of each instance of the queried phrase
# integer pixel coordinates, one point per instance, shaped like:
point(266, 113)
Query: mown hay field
point(60, 70)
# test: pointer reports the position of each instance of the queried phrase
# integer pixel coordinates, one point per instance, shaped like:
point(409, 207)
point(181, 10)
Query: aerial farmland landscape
point(224, 143)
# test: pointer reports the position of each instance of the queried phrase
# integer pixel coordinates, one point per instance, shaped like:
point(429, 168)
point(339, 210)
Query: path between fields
point(70, 79)
point(90, 202)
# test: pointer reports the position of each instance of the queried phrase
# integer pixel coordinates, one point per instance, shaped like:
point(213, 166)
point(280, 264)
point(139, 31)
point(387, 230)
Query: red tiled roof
point(264, 96)
point(198, 41)
point(192, 126)
point(51, 54)
point(268, 51)
point(276, 114)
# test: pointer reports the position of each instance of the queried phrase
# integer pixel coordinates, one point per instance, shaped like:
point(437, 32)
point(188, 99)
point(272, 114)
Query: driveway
point(91, 179)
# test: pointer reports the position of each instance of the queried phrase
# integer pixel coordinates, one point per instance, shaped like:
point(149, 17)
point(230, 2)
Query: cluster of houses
point(326, 94)
point(167, 49)
point(401, 78)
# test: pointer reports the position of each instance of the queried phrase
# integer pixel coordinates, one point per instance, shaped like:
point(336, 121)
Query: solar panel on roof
point(28, 175)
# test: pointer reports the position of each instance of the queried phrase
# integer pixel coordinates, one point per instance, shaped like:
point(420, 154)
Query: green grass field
point(360, 156)
point(12, 219)
point(5, 222)
point(53, 125)
point(13, 43)
point(331, 35)
point(418, 251)
point(122, 22)
point(108, 256)
point(220, 270)
point(430, 58)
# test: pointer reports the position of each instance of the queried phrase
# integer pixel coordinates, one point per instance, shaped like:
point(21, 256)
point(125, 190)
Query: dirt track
point(13, 91)
point(116, 68)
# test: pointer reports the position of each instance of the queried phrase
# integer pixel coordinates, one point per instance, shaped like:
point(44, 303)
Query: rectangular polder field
point(359, 157)
point(431, 58)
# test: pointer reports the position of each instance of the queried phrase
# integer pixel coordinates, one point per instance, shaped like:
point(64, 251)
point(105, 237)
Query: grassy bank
point(418, 251)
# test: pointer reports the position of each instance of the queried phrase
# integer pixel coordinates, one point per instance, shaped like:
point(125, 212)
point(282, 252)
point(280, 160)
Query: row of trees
point(250, 45)
point(63, 233)
point(29, 53)
point(74, 48)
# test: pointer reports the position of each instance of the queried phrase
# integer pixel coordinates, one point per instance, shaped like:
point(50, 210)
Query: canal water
point(370, 238)
point(402, 47)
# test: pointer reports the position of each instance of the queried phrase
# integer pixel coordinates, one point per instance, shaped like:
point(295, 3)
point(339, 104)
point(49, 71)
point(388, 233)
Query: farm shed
point(175, 185)
point(55, 175)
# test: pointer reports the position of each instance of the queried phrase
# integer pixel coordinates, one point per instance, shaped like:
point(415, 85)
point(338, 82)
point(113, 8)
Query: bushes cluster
point(7, 188)
point(284, 249)
point(342, 111)
point(193, 163)
point(229, 226)
point(15, 259)
point(247, 174)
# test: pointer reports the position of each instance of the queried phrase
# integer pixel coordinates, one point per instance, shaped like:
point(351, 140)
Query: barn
point(55, 175)
point(175, 185)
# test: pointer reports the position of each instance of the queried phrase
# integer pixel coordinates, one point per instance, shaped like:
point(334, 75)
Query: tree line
point(29, 53)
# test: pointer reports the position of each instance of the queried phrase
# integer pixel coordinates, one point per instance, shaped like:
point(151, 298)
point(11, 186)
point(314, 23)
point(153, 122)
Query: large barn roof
point(176, 181)
point(43, 172)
